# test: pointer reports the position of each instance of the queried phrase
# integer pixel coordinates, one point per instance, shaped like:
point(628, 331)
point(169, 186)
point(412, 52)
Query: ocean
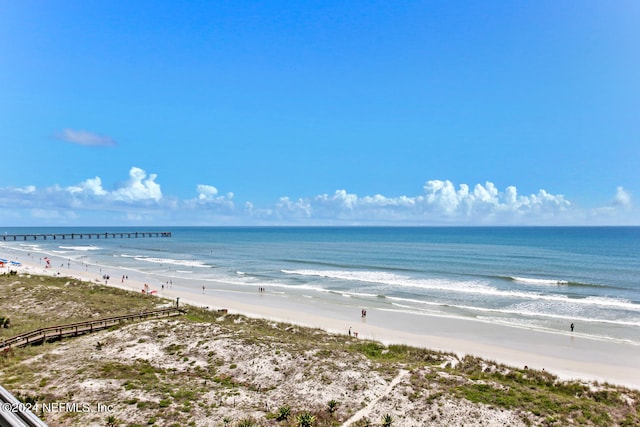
point(539, 278)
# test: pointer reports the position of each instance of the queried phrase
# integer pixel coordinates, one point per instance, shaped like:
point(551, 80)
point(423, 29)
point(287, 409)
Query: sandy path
point(364, 412)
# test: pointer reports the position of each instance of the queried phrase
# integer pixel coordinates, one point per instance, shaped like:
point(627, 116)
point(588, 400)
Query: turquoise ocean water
point(542, 278)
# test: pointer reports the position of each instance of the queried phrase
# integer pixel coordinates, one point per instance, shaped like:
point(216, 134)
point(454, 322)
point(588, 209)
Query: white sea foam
point(248, 281)
point(181, 262)
point(81, 248)
point(22, 247)
point(588, 301)
point(29, 246)
point(532, 281)
point(467, 287)
point(520, 314)
point(360, 276)
point(398, 280)
point(611, 302)
point(529, 309)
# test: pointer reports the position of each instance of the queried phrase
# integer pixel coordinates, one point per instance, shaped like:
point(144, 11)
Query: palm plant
point(333, 406)
point(284, 412)
point(306, 419)
point(387, 420)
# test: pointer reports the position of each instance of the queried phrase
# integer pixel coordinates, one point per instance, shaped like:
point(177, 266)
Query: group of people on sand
point(363, 314)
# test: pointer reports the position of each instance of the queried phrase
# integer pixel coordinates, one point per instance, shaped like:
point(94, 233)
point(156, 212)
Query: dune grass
point(540, 398)
point(33, 302)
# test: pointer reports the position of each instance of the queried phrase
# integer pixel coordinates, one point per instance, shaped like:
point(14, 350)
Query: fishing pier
point(64, 236)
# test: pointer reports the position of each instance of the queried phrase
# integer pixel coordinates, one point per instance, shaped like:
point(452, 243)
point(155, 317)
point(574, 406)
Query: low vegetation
point(210, 368)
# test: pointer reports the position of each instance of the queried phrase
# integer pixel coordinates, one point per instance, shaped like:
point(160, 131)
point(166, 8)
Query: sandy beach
point(567, 355)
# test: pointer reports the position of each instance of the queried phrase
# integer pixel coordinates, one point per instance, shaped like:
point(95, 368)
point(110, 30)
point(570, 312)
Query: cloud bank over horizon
point(139, 200)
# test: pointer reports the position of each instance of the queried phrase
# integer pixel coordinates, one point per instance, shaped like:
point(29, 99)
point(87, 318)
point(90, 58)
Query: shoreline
point(569, 356)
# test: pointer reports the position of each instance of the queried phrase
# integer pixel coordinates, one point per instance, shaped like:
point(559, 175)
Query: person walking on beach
point(571, 327)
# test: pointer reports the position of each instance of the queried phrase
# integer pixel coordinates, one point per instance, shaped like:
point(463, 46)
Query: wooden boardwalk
point(16, 414)
point(63, 236)
point(73, 329)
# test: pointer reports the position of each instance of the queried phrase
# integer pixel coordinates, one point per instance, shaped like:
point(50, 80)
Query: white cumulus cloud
point(440, 202)
point(92, 186)
point(208, 197)
point(287, 208)
point(139, 199)
point(138, 187)
point(622, 198)
point(486, 201)
point(206, 192)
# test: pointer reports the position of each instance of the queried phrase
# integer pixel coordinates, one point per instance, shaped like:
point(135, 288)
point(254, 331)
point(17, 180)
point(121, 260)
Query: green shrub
point(284, 412)
point(306, 419)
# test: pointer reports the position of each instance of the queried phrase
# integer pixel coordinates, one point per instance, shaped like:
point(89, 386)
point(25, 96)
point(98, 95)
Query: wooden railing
point(74, 329)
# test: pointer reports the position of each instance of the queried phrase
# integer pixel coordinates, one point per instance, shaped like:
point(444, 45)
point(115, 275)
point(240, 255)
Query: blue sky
point(236, 112)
